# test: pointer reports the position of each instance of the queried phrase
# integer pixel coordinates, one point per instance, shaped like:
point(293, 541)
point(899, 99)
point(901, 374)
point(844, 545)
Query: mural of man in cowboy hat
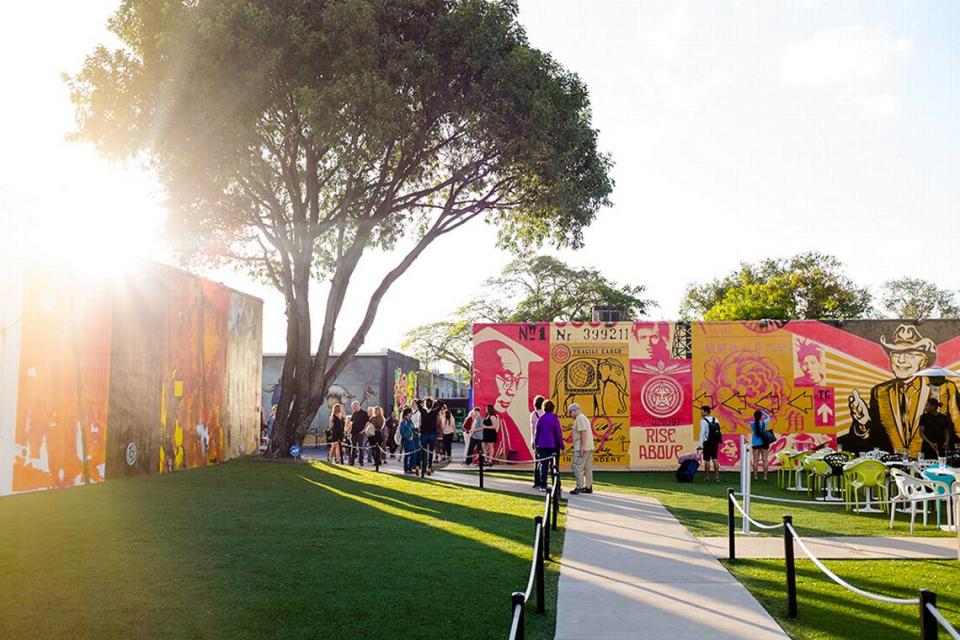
point(892, 419)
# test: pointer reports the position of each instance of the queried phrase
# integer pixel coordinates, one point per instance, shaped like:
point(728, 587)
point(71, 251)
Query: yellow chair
point(785, 467)
point(864, 474)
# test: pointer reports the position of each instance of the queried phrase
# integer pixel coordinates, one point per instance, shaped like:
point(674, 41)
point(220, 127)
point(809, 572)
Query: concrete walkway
point(866, 548)
point(631, 570)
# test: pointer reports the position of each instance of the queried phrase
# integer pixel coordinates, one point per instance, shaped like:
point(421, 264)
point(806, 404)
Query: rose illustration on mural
point(739, 381)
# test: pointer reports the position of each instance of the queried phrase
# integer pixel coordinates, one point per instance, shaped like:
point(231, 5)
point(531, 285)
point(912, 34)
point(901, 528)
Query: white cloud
point(842, 56)
point(879, 105)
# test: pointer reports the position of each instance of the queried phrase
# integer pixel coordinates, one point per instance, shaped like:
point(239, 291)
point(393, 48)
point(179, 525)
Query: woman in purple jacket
point(549, 442)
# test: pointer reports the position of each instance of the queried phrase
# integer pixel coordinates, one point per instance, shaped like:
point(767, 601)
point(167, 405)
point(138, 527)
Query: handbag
point(768, 436)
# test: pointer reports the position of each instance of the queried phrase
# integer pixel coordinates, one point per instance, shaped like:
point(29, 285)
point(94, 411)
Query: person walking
point(760, 442)
point(367, 447)
point(336, 434)
point(709, 444)
point(392, 425)
point(374, 433)
point(582, 450)
point(473, 434)
point(358, 423)
point(549, 443)
point(429, 414)
point(408, 441)
point(491, 425)
point(448, 430)
point(534, 419)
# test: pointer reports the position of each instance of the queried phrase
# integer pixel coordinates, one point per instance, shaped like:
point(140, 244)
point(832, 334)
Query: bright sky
point(739, 129)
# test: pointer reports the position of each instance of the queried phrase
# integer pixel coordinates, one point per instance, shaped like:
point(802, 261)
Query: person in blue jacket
point(409, 440)
point(761, 441)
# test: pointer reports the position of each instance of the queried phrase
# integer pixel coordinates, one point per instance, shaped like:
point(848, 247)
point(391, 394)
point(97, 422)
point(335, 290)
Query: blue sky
point(739, 130)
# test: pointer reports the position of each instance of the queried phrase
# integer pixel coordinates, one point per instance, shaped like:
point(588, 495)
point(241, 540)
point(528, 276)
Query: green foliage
point(292, 135)
point(530, 289)
point(918, 299)
point(807, 286)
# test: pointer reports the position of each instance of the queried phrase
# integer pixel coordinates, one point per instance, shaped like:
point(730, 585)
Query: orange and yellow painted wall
point(153, 372)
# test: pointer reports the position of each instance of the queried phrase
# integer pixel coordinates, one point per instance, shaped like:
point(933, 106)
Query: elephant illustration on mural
point(600, 383)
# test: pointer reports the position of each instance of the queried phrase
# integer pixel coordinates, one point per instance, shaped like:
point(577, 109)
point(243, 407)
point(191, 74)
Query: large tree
point(808, 285)
point(295, 136)
point(918, 299)
point(529, 289)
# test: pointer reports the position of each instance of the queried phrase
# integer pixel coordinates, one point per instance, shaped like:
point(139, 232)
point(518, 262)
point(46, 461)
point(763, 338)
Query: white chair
point(911, 490)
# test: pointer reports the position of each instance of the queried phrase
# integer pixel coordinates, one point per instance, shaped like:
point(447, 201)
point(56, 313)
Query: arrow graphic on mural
point(824, 412)
point(736, 396)
point(803, 398)
point(773, 405)
point(709, 397)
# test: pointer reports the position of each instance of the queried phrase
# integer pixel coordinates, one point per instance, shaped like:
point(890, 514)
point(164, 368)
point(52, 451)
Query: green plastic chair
point(785, 467)
point(818, 472)
point(864, 474)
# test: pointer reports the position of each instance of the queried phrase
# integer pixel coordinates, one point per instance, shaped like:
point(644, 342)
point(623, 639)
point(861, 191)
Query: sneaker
point(587, 490)
point(576, 492)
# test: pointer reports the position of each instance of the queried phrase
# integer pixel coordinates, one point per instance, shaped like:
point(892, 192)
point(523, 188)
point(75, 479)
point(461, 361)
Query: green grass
point(702, 506)
point(827, 611)
point(252, 549)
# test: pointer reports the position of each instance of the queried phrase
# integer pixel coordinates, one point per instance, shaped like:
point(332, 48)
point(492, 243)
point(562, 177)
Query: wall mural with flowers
point(641, 383)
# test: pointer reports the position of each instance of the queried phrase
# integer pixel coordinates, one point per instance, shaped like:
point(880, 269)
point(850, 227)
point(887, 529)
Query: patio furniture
point(785, 467)
point(819, 473)
point(789, 475)
point(835, 461)
point(911, 490)
point(867, 474)
point(943, 479)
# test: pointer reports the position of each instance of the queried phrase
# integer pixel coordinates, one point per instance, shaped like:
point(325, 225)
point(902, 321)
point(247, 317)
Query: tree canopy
point(530, 289)
point(806, 286)
point(293, 136)
point(918, 299)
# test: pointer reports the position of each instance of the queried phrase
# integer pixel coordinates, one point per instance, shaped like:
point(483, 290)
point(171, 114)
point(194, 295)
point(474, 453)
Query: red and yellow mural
point(642, 382)
point(155, 372)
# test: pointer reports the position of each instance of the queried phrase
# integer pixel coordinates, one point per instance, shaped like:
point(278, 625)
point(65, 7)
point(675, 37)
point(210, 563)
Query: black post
point(731, 527)
point(790, 566)
point(556, 502)
point(516, 599)
point(376, 458)
point(422, 459)
point(480, 458)
point(929, 627)
point(541, 598)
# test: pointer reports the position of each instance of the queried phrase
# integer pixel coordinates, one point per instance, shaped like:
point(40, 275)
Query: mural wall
point(153, 373)
point(642, 383)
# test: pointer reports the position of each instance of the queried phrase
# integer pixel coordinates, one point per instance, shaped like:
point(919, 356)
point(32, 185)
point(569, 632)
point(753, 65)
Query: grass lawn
point(827, 611)
point(253, 549)
point(702, 506)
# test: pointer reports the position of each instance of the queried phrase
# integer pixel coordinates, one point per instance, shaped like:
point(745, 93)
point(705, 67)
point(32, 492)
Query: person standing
point(429, 414)
point(760, 442)
point(491, 425)
point(408, 441)
point(449, 430)
point(549, 443)
point(582, 450)
point(473, 434)
point(336, 434)
point(392, 441)
point(374, 433)
point(358, 422)
point(709, 445)
point(534, 419)
point(935, 430)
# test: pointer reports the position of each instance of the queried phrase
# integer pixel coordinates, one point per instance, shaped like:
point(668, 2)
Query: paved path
point(631, 570)
point(840, 547)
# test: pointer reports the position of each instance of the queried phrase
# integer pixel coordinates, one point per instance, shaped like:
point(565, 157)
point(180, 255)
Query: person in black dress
point(935, 430)
point(336, 434)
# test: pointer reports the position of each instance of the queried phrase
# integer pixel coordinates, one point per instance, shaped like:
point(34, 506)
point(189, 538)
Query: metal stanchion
point(556, 501)
point(731, 525)
point(517, 599)
point(546, 527)
point(929, 627)
point(480, 458)
point(790, 566)
point(541, 597)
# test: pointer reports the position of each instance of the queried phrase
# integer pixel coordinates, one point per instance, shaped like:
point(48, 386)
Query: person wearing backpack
point(709, 444)
point(408, 438)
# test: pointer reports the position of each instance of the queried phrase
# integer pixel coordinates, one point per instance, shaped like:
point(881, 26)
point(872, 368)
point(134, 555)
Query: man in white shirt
point(582, 450)
point(709, 444)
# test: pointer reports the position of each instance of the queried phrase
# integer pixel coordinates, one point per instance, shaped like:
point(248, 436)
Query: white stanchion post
point(745, 482)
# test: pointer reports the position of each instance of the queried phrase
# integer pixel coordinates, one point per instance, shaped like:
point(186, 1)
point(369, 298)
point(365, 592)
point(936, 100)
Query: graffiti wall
point(642, 384)
point(149, 373)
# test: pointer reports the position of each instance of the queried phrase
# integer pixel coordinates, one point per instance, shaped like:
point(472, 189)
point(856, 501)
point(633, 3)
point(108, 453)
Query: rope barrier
point(943, 621)
point(751, 520)
point(533, 565)
point(844, 583)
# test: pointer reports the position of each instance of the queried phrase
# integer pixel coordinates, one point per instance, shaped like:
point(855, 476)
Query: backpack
point(687, 470)
point(713, 435)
